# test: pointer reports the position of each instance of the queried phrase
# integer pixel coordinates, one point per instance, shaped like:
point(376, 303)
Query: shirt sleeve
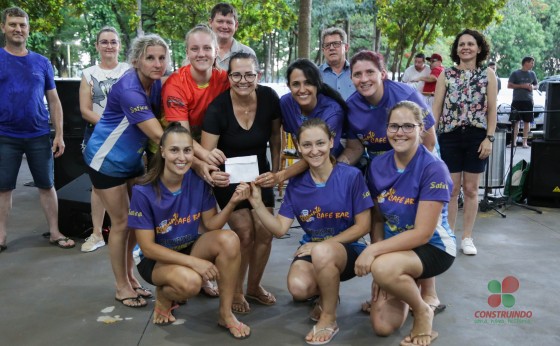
point(215, 114)
point(435, 184)
point(361, 195)
point(208, 199)
point(136, 106)
point(49, 77)
point(140, 212)
point(174, 99)
point(274, 104)
point(286, 208)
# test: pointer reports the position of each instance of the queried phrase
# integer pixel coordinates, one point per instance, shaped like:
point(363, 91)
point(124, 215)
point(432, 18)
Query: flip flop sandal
point(142, 288)
point(58, 241)
point(333, 332)
point(238, 327)
point(166, 314)
point(208, 287)
point(265, 298)
point(137, 299)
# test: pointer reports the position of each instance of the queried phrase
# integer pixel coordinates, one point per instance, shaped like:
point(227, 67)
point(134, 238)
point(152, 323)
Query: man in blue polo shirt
point(336, 70)
point(25, 79)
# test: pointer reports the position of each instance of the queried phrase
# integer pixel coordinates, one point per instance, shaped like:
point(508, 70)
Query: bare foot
point(209, 289)
point(240, 305)
point(322, 333)
point(237, 329)
point(261, 296)
point(421, 333)
point(163, 308)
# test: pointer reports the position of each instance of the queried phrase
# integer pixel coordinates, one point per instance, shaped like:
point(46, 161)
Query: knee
point(470, 191)
point(228, 242)
point(323, 255)
point(298, 289)
point(188, 286)
point(382, 272)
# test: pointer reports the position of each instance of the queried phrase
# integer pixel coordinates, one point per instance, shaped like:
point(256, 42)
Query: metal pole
point(69, 60)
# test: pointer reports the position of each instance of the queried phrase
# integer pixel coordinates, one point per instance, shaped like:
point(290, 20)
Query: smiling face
point(401, 141)
point(315, 146)
point(201, 51)
point(16, 30)
point(224, 26)
point(467, 48)
point(303, 91)
point(243, 69)
point(151, 65)
point(368, 80)
point(177, 151)
point(108, 45)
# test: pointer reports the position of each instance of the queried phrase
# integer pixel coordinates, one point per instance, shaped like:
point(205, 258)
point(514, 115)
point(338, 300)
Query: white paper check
point(242, 169)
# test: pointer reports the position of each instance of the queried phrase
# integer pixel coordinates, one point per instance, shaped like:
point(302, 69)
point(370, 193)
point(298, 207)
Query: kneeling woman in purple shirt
point(166, 210)
point(332, 205)
point(412, 239)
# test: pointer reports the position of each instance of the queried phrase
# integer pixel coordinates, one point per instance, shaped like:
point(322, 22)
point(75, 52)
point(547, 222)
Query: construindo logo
point(501, 295)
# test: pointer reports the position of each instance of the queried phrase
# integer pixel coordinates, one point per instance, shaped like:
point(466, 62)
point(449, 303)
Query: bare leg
point(302, 283)
point(241, 222)
point(49, 203)
point(257, 263)
point(115, 200)
point(329, 260)
point(453, 206)
point(5, 207)
point(97, 214)
point(222, 247)
point(470, 207)
point(515, 127)
point(526, 128)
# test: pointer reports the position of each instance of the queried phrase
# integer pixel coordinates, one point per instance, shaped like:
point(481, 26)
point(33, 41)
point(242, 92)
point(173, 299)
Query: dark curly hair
point(480, 41)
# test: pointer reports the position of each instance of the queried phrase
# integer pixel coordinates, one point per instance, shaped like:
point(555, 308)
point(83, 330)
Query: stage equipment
point(552, 115)
point(544, 174)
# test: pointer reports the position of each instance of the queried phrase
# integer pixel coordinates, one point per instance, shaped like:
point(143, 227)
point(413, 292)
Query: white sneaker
point(92, 243)
point(468, 247)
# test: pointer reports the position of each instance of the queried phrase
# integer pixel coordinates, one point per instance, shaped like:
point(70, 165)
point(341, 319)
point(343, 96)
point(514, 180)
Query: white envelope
point(242, 169)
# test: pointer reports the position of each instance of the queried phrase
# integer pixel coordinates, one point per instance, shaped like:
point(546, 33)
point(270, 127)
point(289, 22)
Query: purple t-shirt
point(397, 193)
point(174, 217)
point(327, 109)
point(23, 83)
point(117, 143)
point(368, 123)
point(328, 210)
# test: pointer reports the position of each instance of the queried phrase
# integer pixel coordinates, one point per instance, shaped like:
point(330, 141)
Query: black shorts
point(459, 149)
point(102, 181)
point(146, 265)
point(524, 106)
point(223, 195)
point(351, 257)
point(434, 261)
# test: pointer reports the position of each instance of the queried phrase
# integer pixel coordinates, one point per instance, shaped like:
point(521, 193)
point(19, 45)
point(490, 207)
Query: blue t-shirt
point(425, 178)
point(117, 144)
point(328, 210)
point(173, 216)
point(23, 83)
point(368, 123)
point(327, 109)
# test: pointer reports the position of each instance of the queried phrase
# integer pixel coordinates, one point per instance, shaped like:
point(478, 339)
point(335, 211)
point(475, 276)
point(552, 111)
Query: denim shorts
point(459, 149)
point(37, 150)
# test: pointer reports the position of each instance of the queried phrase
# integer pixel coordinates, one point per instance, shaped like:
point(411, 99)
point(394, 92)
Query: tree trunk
point(304, 29)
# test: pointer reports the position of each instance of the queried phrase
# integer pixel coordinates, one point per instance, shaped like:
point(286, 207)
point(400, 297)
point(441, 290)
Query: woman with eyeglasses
point(333, 206)
point(96, 83)
point(367, 126)
point(410, 188)
point(240, 122)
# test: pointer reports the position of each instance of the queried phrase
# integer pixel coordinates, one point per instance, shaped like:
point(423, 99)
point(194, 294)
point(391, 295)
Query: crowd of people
point(369, 150)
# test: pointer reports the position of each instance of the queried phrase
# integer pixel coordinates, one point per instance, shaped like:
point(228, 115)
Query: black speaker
point(71, 164)
point(552, 116)
point(74, 207)
point(69, 93)
point(544, 174)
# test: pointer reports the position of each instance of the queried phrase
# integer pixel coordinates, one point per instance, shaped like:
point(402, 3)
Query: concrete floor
point(51, 296)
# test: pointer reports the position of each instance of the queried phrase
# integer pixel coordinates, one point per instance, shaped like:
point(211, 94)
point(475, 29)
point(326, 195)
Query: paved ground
point(51, 296)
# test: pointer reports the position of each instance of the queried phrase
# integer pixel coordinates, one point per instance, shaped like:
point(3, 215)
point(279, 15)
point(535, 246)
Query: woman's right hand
point(255, 196)
point(215, 157)
point(220, 179)
point(205, 268)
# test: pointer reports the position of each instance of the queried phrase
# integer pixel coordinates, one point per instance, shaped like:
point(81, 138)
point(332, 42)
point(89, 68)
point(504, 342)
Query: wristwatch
point(491, 138)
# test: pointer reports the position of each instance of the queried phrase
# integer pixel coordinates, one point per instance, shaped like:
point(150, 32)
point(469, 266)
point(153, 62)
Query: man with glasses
point(413, 73)
point(27, 78)
point(223, 21)
point(336, 70)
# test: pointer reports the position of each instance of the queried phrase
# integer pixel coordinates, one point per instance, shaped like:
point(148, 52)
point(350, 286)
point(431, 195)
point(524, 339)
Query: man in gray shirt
point(523, 82)
point(223, 21)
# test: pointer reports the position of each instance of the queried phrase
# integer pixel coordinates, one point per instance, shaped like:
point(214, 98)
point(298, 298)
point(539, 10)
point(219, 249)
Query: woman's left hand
point(242, 192)
point(362, 266)
point(267, 179)
point(304, 250)
point(485, 149)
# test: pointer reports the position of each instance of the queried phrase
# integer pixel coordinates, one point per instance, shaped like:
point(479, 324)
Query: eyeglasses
point(236, 77)
point(406, 128)
point(334, 44)
point(105, 43)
